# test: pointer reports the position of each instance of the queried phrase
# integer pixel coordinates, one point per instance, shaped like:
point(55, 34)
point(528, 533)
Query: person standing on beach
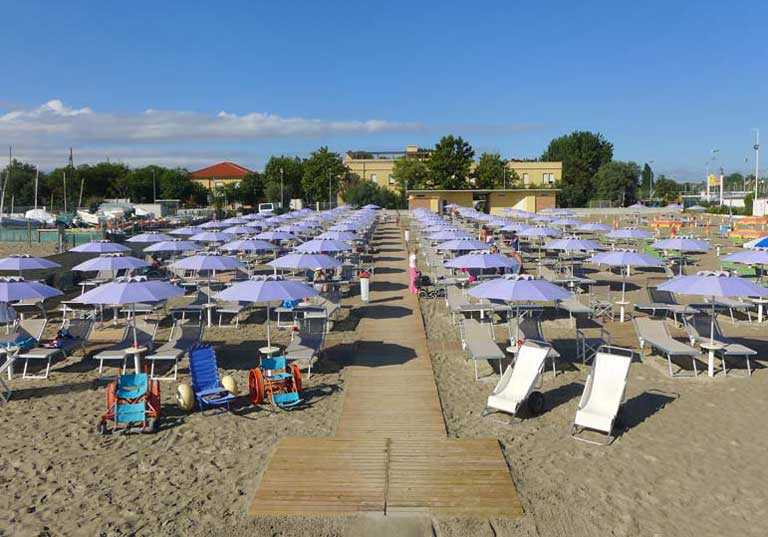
point(412, 271)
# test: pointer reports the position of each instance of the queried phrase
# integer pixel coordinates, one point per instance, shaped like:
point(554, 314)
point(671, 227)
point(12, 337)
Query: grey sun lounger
point(699, 330)
point(574, 307)
point(734, 304)
point(477, 340)
point(530, 328)
point(145, 335)
point(304, 348)
point(184, 335)
point(80, 329)
point(230, 307)
point(655, 334)
point(458, 304)
point(664, 301)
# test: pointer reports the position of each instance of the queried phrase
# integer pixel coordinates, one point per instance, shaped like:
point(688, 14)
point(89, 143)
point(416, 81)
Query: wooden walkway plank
point(391, 453)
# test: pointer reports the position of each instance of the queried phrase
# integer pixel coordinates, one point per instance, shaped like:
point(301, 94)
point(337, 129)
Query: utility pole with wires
point(282, 196)
point(154, 187)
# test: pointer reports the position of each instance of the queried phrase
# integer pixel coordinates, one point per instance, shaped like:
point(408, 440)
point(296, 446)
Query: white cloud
point(54, 122)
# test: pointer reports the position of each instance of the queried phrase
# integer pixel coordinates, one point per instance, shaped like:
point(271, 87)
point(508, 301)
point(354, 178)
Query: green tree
point(666, 189)
point(365, 192)
point(20, 184)
point(410, 174)
point(582, 153)
point(323, 170)
point(618, 182)
point(645, 181)
point(252, 189)
point(450, 163)
point(490, 171)
point(292, 172)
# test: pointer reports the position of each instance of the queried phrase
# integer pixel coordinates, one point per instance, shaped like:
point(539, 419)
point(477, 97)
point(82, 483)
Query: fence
point(70, 238)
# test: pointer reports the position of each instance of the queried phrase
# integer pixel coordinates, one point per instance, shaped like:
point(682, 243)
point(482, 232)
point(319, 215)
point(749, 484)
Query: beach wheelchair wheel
point(256, 386)
point(296, 374)
point(536, 403)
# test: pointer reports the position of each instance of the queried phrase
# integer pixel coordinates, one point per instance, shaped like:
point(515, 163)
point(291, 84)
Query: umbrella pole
point(269, 338)
point(133, 323)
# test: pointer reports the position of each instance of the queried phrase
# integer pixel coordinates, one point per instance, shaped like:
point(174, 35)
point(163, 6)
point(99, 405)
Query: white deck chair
point(603, 393)
point(517, 384)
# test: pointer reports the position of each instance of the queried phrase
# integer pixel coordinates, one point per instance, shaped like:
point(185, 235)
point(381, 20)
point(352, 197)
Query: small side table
point(269, 351)
point(711, 347)
point(622, 309)
point(137, 353)
point(209, 307)
point(761, 302)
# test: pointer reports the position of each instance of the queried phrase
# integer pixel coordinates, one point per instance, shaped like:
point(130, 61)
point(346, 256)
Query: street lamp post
point(757, 161)
point(330, 189)
point(282, 197)
point(650, 186)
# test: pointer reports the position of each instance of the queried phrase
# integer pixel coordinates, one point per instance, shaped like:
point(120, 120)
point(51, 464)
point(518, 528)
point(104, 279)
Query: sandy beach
point(688, 461)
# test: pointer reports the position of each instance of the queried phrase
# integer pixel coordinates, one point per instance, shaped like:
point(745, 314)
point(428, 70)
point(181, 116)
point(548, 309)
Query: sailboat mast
point(64, 174)
point(7, 177)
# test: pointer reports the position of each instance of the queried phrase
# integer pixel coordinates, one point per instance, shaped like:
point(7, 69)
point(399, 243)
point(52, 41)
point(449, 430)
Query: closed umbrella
point(713, 284)
point(260, 289)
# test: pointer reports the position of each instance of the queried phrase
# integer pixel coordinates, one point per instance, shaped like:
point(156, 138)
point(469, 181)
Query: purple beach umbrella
point(248, 245)
point(682, 244)
point(100, 247)
point(175, 245)
point(110, 262)
point(22, 262)
point(628, 233)
point(305, 261)
point(265, 290)
point(150, 236)
point(339, 236)
point(14, 288)
point(462, 245)
point(625, 258)
point(212, 236)
point(123, 291)
point(713, 284)
point(208, 261)
point(520, 288)
point(593, 227)
point(481, 260)
point(276, 236)
point(323, 245)
point(185, 231)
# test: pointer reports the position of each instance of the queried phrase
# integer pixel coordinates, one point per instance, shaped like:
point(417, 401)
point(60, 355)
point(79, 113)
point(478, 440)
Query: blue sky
point(663, 81)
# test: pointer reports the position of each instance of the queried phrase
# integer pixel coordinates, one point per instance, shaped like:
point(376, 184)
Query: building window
point(391, 180)
point(218, 184)
point(525, 178)
point(373, 177)
point(549, 178)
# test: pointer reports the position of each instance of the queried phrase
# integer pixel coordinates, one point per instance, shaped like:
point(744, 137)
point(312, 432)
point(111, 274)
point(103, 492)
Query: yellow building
point(494, 201)
point(378, 166)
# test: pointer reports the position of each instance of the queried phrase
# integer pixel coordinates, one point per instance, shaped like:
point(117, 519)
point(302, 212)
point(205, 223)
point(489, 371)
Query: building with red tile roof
point(220, 174)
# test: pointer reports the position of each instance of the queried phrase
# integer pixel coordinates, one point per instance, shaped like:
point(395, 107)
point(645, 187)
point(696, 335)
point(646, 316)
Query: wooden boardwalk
point(390, 453)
